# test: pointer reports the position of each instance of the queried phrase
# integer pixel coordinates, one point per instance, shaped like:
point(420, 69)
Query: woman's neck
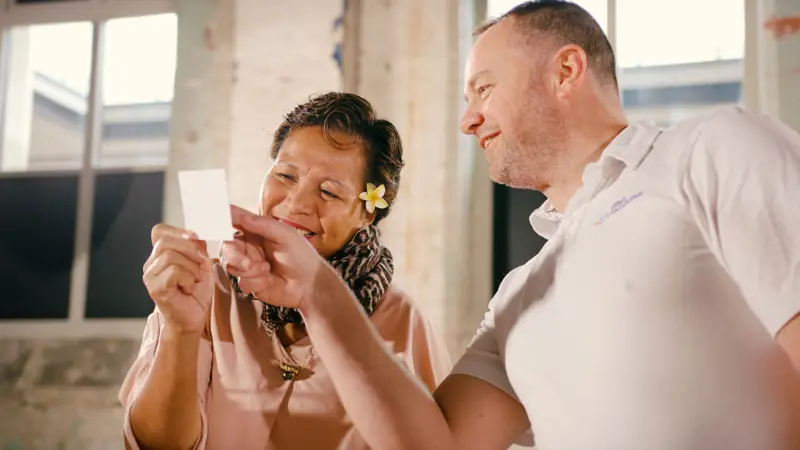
point(291, 333)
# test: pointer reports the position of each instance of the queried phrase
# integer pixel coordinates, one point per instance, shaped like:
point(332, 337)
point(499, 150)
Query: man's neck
point(585, 152)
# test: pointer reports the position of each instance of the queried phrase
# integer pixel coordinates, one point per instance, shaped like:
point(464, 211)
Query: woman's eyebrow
point(339, 183)
point(286, 164)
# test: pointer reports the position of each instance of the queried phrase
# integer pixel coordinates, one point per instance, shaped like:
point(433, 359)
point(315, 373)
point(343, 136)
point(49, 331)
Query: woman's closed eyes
point(329, 194)
point(285, 176)
point(325, 192)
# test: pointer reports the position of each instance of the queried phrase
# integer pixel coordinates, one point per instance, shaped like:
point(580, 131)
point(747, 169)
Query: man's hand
point(272, 260)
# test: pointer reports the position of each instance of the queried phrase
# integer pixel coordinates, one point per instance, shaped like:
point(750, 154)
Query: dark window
point(514, 241)
point(37, 244)
point(127, 206)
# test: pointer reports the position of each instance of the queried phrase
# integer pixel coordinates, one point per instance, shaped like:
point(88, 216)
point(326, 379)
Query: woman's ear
point(370, 217)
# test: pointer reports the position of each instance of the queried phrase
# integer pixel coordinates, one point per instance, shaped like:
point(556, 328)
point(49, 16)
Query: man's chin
point(500, 173)
point(503, 175)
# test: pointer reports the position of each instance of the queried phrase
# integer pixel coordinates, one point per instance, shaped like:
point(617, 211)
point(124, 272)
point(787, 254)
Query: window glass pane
point(45, 101)
point(672, 66)
point(37, 243)
point(127, 206)
point(138, 80)
point(657, 32)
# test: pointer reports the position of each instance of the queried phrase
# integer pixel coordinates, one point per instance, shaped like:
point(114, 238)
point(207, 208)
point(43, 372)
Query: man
point(661, 313)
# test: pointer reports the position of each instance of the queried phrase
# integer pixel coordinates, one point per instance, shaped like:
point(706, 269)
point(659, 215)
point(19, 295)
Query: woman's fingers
point(256, 285)
point(238, 264)
point(162, 285)
point(163, 230)
point(185, 247)
point(173, 258)
point(241, 255)
point(234, 254)
point(178, 261)
point(251, 269)
point(202, 245)
point(269, 228)
point(167, 238)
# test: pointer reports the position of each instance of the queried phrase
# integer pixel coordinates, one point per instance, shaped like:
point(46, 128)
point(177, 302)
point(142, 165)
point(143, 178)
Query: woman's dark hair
point(353, 115)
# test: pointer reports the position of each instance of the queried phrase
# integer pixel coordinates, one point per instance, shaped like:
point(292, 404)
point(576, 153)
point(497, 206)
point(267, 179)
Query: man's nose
point(471, 120)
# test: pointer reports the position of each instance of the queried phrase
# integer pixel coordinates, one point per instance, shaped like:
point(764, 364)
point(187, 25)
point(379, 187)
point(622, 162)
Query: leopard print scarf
point(364, 264)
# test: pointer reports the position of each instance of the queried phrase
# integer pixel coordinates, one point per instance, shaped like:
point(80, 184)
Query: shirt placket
point(598, 178)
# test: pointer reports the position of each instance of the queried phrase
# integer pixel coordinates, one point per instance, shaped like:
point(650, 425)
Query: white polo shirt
point(643, 322)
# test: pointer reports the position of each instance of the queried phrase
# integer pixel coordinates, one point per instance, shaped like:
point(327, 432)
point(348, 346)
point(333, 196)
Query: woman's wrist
point(179, 337)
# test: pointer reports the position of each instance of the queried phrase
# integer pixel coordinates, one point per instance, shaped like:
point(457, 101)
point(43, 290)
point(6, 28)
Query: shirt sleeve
point(744, 184)
point(137, 375)
point(483, 360)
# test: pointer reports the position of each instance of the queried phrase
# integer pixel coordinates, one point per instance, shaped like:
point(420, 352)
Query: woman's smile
point(305, 231)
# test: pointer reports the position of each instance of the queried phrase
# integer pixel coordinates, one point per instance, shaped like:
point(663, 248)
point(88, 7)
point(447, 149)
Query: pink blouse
point(245, 401)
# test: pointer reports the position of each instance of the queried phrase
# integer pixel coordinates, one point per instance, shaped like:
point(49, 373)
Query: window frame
point(99, 12)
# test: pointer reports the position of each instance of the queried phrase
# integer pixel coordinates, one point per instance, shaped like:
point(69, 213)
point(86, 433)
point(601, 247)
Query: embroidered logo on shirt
point(617, 207)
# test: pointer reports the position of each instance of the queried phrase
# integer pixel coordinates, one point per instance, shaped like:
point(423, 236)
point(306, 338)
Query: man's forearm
point(166, 412)
point(388, 406)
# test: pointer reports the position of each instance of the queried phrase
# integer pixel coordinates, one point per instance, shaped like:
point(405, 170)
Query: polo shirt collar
point(630, 147)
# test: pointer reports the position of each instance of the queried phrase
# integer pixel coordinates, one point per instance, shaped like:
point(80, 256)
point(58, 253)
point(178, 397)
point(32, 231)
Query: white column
point(18, 112)
point(283, 55)
point(201, 118)
point(410, 68)
point(241, 65)
point(772, 69)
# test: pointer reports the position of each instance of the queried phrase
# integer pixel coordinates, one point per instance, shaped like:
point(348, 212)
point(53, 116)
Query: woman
point(222, 368)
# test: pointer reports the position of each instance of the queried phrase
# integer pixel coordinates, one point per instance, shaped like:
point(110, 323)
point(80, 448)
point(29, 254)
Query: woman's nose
point(301, 200)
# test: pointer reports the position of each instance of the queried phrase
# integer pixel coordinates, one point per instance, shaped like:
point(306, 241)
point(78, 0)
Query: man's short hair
point(569, 24)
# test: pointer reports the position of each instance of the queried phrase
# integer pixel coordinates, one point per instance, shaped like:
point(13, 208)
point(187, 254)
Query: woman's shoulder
point(396, 300)
point(398, 308)
point(408, 329)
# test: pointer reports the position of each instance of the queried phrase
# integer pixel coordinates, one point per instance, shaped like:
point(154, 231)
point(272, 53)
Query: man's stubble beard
point(528, 162)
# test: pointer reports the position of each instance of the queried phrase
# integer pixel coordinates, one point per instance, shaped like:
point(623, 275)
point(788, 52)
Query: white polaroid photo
point(206, 204)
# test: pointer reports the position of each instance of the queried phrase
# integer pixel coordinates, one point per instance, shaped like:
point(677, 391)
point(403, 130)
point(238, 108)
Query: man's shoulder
point(688, 130)
point(736, 135)
point(728, 123)
point(721, 133)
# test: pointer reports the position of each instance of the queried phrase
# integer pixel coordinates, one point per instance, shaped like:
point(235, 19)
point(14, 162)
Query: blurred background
point(103, 101)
